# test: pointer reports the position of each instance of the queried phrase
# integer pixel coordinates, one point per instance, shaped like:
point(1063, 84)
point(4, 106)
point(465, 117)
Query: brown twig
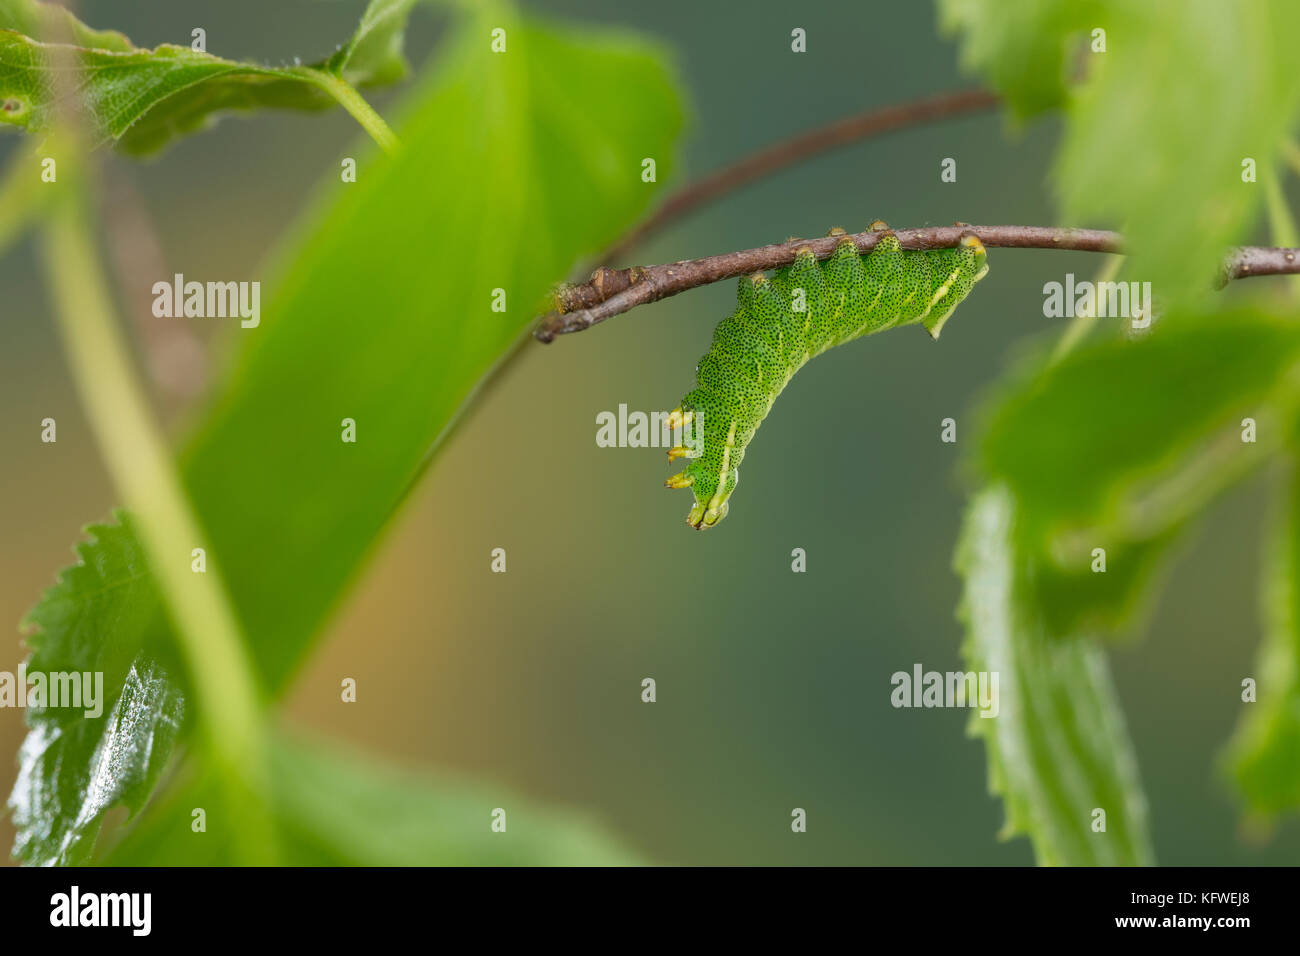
point(756, 166)
point(1246, 261)
point(614, 291)
point(788, 152)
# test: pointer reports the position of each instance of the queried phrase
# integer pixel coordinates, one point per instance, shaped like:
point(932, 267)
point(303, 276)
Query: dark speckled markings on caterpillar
point(782, 322)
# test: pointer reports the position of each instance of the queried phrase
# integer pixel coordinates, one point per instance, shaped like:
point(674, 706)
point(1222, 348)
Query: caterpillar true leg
point(782, 322)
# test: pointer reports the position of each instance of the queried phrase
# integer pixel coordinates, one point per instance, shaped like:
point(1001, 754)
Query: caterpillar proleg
point(783, 321)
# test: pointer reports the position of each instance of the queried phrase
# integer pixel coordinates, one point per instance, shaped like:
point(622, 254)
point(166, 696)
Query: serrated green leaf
point(1022, 49)
point(1057, 749)
point(143, 98)
point(337, 807)
point(1122, 444)
point(1263, 758)
point(1156, 136)
point(1118, 446)
point(98, 619)
point(212, 92)
point(118, 88)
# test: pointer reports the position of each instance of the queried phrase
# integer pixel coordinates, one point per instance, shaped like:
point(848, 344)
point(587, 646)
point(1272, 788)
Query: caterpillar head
point(975, 255)
point(968, 264)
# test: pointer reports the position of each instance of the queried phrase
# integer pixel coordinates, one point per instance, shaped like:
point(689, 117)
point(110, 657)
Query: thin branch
point(788, 152)
point(614, 291)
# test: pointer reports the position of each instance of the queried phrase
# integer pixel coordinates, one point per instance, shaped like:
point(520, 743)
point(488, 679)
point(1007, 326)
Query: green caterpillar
point(782, 322)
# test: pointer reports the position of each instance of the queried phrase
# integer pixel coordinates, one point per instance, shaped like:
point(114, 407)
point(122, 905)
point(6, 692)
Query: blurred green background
point(773, 688)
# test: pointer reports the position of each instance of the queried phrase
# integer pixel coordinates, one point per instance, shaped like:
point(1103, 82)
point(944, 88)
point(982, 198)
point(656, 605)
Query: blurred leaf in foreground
point(1057, 750)
point(374, 54)
point(19, 202)
point(1157, 136)
point(1127, 433)
point(337, 807)
point(142, 98)
point(1264, 755)
point(1024, 49)
point(1117, 446)
point(1180, 197)
point(383, 315)
point(98, 618)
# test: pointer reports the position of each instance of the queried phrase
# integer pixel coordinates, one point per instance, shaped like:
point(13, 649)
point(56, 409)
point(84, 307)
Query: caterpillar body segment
point(782, 322)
